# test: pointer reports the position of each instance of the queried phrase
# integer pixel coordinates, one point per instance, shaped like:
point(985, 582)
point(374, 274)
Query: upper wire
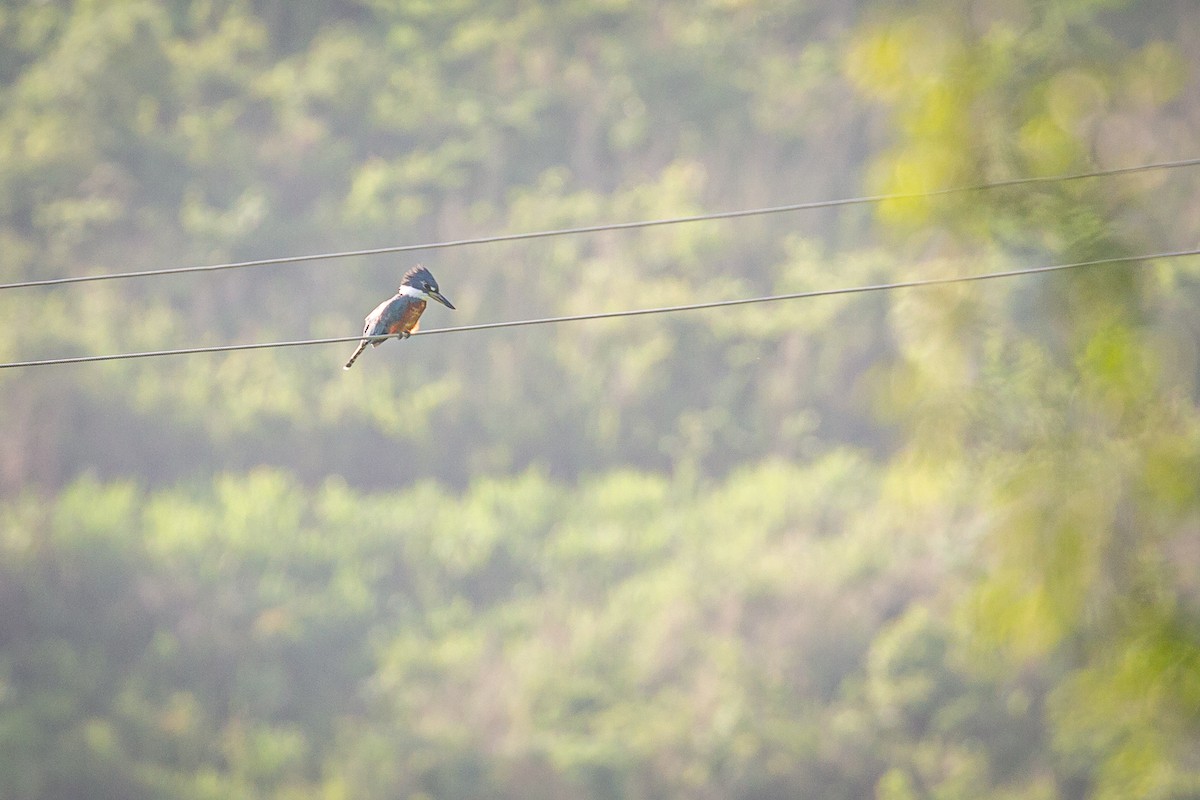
point(616, 226)
point(878, 287)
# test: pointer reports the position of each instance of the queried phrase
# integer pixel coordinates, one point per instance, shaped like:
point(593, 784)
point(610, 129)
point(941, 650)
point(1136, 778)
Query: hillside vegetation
point(937, 542)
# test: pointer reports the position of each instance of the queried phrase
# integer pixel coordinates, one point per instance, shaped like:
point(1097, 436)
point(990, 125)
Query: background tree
point(928, 543)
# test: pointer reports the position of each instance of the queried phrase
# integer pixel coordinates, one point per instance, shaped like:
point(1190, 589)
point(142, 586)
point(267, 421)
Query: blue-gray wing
point(400, 314)
point(379, 321)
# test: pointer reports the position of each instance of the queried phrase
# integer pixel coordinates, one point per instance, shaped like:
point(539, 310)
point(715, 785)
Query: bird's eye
point(427, 286)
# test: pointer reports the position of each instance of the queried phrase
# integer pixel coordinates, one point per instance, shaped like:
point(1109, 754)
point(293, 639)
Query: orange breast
point(408, 321)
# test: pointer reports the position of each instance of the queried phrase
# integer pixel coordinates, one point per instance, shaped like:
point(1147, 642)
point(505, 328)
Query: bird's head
point(420, 281)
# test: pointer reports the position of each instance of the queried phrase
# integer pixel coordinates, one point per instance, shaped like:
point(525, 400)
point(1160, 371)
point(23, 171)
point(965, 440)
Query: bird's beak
point(436, 295)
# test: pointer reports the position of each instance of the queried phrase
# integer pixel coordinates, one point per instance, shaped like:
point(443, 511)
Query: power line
point(878, 287)
point(617, 226)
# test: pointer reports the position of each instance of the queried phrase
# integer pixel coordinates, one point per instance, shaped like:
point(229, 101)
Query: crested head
point(419, 278)
point(419, 282)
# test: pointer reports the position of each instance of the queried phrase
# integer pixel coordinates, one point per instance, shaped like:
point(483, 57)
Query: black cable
point(879, 287)
point(512, 237)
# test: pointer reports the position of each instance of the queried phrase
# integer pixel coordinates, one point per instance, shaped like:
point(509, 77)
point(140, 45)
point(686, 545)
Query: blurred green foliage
point(930, 544)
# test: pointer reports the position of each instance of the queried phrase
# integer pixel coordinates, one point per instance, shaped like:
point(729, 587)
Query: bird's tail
point(361, 346)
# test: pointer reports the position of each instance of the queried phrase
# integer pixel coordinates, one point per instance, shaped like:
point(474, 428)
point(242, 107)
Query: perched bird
point(401, 313)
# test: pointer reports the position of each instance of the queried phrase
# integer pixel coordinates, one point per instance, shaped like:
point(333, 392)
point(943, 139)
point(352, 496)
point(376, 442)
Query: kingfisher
point(401, 313)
